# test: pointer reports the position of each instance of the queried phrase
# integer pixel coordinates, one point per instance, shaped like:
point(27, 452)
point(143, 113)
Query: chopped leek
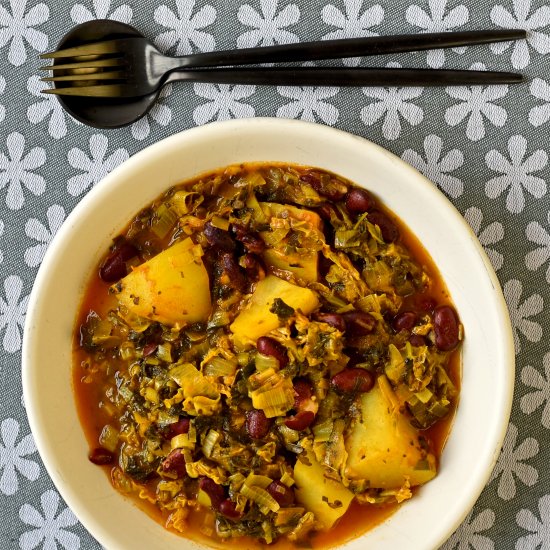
point(260, 496)
point(109, 437)
point(163, 221)
point(219, 366)
point(265, 362)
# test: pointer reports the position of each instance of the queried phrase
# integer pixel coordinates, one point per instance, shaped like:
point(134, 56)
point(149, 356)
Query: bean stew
point(267, 356)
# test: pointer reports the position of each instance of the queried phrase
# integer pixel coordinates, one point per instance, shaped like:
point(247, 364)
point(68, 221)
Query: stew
point(267, 352)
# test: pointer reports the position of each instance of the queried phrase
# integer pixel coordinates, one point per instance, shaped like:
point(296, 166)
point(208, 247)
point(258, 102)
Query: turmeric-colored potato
point(383, 447)
point(280, 255)
point(172, 287)
point(327, 498)
point(256, 320)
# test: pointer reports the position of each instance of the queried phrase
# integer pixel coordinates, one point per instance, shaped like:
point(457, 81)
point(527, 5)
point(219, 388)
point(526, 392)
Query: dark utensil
point(121, 73)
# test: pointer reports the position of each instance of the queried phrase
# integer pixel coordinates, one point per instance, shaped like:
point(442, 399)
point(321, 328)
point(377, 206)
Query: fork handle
point(330, 76)
point(349, 47)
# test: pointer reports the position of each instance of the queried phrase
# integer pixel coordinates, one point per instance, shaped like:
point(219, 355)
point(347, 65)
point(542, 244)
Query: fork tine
point(94, 48)
point(103, 90)
point(113, 75)
point(109, 62)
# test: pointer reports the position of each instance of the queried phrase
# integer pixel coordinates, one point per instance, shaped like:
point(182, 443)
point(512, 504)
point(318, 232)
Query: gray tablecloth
point(485, 148)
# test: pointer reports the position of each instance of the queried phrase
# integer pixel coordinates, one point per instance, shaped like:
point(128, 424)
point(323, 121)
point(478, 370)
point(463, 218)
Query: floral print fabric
point(485, 148)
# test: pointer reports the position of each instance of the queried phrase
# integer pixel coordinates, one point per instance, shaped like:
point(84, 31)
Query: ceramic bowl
point(422, 523)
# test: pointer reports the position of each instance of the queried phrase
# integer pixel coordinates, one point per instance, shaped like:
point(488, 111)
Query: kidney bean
point(174, 463)
point(327, 187)
point(232, 275)
point(218, 238)
point(333, 319)
point(404, 321)
point(359, 201)
point(253, 266)
point(176, 428)
point(213, 490)
point(269, 346)
point(325, 211)
point(149, 349)
point(101, 456)
point(445, 327)
point(353, 380)
point(389, 230)
point(358, 323)
point(300, 421)
point(257, 424)
point(228, 509)
point(302, 391)
point(114, 266)
point(250, 239)
point(417, 340)
point(281, 493)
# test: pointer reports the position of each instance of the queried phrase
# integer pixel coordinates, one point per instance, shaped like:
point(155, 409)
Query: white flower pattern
point(159, 113)
point(521, 312)
point(309, 103)
point(522, 19)
point(438, 20)
point(48, 104)
point(516, 174)
point(1, 234)
point(2, 88)
point(225, 102)
point(269, 27)
point(34, 229)
point(13, 455)
point(50, 527)
point(80, 13)
point(511, 464)
point(476, 103)
point(186, 27)
point(540, 114)
point(539, 529)
point(534, 259)
point(437, 168)
point(17, 28)
point(12, 313)
point(95, 167)
point(354, 23)
point(490, 235)
point(392, 104)
point(468, 536)
point(17, 170)
point(540, 396)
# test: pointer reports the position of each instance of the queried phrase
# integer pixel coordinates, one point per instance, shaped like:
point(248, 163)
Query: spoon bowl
point(104, 112)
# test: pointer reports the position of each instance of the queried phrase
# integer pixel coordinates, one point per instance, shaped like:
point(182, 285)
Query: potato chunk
point(327, 498)
point(256, 320)
point(383, 447)
point(172, 287)
point(282, 255)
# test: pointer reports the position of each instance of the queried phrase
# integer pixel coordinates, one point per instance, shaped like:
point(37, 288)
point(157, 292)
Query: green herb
point(282, 310)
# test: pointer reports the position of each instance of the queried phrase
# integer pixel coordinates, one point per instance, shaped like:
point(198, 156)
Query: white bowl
point(488, 355)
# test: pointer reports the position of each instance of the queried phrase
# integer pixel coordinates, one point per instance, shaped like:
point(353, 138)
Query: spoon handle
point(329, 76)
point(350, 47)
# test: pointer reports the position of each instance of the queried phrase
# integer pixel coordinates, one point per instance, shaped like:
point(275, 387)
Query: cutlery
point(111, 64)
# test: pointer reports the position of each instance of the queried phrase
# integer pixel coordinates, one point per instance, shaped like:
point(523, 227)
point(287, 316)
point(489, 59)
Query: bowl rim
point(101, 192)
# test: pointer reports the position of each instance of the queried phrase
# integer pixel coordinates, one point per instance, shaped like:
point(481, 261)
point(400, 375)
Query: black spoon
point(95, 111)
